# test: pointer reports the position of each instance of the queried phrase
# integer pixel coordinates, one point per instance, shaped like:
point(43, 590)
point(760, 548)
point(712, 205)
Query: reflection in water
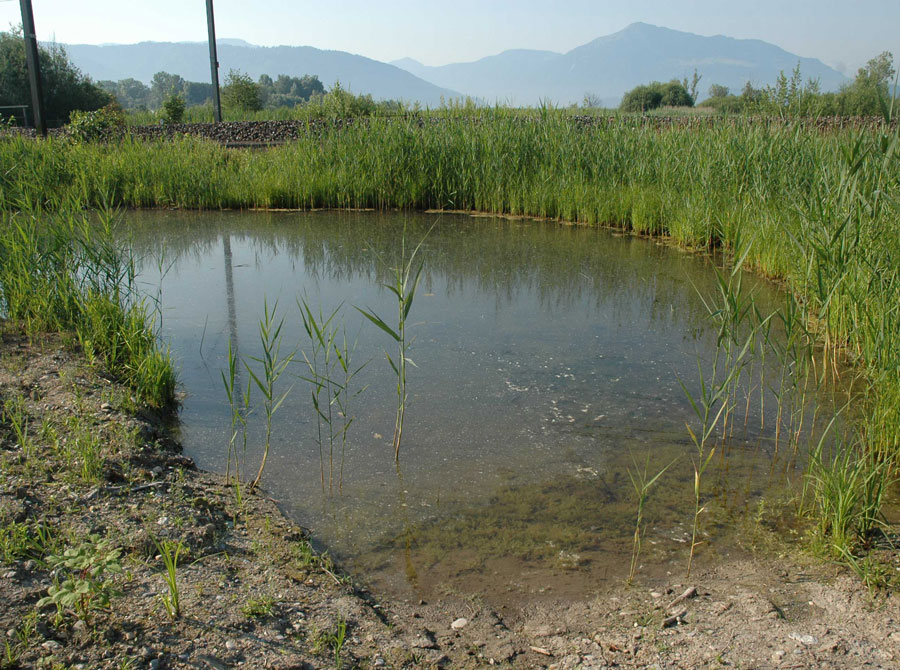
point(547, 356)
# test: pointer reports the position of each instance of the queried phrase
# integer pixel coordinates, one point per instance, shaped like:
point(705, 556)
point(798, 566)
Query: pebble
point(803, 639)
point(231, 645)
point(51, 645)
point(163, 520)
point(459, 624)
point(154, 664)
point(379, 662)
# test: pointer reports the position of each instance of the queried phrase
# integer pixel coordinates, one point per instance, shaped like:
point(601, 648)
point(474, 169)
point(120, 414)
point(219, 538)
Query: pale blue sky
point(843, 33)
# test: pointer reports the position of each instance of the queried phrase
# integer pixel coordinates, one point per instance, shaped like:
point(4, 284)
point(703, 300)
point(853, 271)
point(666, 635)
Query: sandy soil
point(254, 595)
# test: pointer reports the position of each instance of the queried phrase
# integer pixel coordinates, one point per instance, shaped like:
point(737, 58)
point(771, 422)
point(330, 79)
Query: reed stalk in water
point(273, 365)
point(641, 484)
point(331, 374)
point(406, 276)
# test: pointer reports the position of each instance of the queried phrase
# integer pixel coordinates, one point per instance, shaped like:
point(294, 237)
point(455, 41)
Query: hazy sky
point(842, 33)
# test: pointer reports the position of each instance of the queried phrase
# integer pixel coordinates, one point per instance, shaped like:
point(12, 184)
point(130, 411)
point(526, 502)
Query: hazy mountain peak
point(405, 63)
point(610, 65)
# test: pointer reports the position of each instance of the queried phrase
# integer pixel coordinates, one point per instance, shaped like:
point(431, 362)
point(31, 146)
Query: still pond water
point(548, 361)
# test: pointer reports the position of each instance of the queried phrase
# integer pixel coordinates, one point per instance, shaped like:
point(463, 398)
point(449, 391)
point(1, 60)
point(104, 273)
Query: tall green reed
point(406, 275)
point(331, 374)
point(273, 366)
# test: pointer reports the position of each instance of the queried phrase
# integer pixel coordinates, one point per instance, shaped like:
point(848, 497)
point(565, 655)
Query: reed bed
point(816, 206)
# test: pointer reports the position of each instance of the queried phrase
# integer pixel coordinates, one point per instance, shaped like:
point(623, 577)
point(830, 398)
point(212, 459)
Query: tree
point(197, 92)
point(871, 86)
point(718, 91)
point(693, 86)
point(130, 93)
point(675, 94)
point(163, 86)
point(591, 101)
point(641, 99)
point(173, 109)
point(240, 93)
point(66, 89)
point(288, 91)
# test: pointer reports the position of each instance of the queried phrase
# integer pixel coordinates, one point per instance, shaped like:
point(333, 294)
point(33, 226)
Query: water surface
point(548, 360)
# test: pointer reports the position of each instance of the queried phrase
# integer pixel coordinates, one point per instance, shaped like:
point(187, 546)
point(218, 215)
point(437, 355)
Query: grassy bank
point(816, 208)
point(64, 273)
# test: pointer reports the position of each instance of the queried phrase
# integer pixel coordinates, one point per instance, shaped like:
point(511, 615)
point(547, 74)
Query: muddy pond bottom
point(548, 361)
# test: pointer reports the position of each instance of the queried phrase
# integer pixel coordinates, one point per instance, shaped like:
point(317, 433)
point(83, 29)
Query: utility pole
point(34, 67)
point(213, 60)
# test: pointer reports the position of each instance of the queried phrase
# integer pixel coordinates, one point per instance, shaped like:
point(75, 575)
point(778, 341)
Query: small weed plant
point(259, 608)
point(85, 585)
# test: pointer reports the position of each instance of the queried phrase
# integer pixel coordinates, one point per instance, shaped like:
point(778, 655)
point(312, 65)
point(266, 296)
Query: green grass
point(63, 272)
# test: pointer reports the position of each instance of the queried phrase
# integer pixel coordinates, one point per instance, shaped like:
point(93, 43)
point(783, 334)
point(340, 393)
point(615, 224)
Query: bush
point(651, 96)
point(96, 125)
point(240, 93)
point(173, 109)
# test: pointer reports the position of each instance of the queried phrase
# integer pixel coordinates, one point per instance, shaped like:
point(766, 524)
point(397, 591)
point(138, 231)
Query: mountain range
point(605, 68)
point(609, 66)
point(191, 61)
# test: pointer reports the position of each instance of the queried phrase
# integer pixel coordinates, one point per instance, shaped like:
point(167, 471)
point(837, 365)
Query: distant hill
point(609, 66)
point(191, 61)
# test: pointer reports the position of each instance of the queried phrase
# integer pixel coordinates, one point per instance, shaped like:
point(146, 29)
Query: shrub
point(96, 125)
point(240, 92)
point(173, 109)
point(651, 96)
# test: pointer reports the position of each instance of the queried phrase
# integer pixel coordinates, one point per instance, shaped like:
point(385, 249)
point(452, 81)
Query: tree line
point(239, 91)
point(869, 94)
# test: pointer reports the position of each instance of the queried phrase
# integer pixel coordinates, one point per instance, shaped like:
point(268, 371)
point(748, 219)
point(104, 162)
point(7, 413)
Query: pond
point(549, 361)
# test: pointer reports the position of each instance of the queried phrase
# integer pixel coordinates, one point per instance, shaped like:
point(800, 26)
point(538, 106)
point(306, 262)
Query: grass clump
point(259, 608)
point(170, 550)
point(64, 272)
